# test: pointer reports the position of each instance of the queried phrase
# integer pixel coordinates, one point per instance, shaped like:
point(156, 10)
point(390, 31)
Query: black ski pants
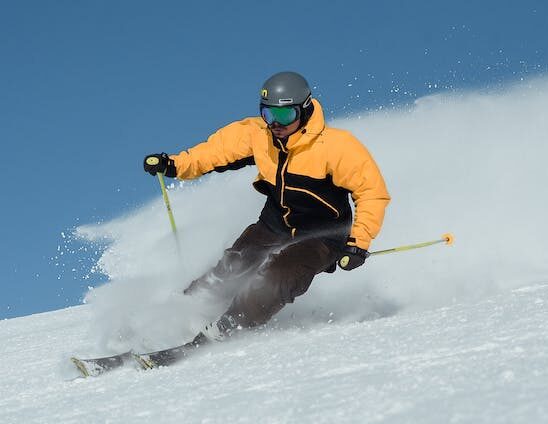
point(263, 271)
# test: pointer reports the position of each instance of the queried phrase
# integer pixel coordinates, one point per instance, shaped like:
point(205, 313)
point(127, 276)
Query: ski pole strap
point(448, 239)
point(166, 201)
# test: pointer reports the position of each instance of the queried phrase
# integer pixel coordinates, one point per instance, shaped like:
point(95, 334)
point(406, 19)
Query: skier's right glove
point(353, 257)
point(160, 162)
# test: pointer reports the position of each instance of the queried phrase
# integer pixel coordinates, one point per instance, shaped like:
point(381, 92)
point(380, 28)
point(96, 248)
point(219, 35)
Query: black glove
point(160, 162)
point(353, 257)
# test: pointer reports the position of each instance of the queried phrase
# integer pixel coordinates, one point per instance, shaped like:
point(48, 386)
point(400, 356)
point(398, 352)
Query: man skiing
point(307, 170)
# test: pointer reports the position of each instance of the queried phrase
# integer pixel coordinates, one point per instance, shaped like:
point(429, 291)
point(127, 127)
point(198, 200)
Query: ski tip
point(81, 367)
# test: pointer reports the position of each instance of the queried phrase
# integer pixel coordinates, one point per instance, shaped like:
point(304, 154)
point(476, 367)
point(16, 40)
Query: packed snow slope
point(480, 361)
point(444, 334)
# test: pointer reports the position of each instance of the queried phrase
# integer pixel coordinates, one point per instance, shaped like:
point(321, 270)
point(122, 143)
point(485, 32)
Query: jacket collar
point(310, 131)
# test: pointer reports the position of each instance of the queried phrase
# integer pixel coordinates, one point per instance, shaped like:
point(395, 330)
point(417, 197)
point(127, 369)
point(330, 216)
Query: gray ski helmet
point(285, 89)
point(288, 89)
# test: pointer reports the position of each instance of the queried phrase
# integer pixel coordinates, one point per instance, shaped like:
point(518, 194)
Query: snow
point(442, 334)
point(481, 362)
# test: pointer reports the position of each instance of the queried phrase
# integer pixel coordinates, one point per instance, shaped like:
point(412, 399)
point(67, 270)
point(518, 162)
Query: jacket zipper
point(283, 170)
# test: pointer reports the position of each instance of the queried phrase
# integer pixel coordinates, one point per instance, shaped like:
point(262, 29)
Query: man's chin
point(278, 133)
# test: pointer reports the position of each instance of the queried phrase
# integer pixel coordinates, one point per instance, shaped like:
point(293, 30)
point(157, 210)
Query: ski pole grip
point(153, 160)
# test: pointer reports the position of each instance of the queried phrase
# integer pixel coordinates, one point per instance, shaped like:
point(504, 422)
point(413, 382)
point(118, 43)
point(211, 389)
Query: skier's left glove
point(353, 257)
point(160, 162)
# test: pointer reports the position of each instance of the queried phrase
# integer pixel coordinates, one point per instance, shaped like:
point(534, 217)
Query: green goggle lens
point(284, 115)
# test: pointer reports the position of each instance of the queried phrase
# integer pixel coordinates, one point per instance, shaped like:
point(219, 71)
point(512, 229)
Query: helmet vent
point(285, 101)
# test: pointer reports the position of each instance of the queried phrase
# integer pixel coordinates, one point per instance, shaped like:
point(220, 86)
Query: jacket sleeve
point(228, 148)
point(354, 169)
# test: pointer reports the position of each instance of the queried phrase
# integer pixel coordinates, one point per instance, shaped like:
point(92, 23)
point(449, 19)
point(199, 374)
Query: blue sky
point(88, 88)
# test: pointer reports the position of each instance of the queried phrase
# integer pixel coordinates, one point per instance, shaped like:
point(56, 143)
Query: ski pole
point(169, 211)
point(166, 201)
point(154, 161)
point(448, 239)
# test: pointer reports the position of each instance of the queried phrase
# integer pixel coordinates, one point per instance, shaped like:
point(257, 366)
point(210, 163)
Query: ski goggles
point(283, 115)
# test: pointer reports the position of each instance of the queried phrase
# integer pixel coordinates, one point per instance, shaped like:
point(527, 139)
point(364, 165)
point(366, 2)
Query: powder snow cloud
point(472, 163)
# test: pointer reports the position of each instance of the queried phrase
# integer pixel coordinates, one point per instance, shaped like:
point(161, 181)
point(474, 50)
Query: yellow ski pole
point(166, 201)
point(154, 161)
point(448, 239)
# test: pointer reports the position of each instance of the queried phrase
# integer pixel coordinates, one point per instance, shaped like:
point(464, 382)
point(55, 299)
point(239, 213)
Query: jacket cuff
point(352, 241)
point(171, 170)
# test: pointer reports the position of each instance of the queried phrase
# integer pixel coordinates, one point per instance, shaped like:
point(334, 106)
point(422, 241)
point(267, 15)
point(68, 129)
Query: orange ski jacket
point(307, 179)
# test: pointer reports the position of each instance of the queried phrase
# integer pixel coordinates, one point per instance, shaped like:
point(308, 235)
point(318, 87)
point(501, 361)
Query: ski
point(93, 367)
point(166, 357)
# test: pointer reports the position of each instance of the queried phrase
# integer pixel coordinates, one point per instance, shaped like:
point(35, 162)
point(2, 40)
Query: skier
point(307, 170)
